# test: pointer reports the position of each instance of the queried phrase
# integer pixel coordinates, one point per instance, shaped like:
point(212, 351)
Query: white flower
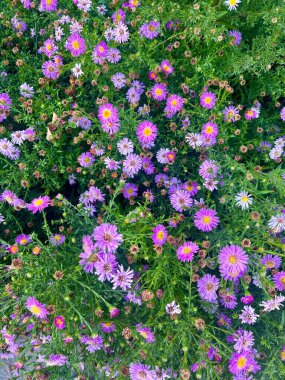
point(277, 223)
point(273, 304)
point(172, 308)
point(121, 33)
point(232, 4)
point(243, 199)
point(194, 139)
point(76, 70)
point(275, 153)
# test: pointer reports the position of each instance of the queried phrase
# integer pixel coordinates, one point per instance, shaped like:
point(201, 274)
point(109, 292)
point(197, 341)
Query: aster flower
point(86, 159)
point(125, 146)
point(232, 4)
point(107, 237)
point(233, 262)
point(118, 16)
point(146, 333)
point(282, 114)
point(243, 199)
point(119, 80)
point(181, 200)
point(174, 103)
point(166, 67)
point(121, 33)
point(84, 5)
point(242, 363)
point(101, 49)
point(206, 220)
point(23, 239)
point(59, 322)
point(228, 299)
point(75, 44)
point(77, 71)
point(279, 280)
point(210, 130)
point(207, 287)
point(248, 315)
point(107, 112)
point(94, 343)
point(173, 308)
point(272, 304)
point(130, 190)
point(150, 30)
point(49, 48)
point(26, 91)
point(194, 139)
point(48, 5)
point(39, 204)
point(50, 70)
point(36, 308)
point(186, 251)
point(223, 320)
point(56, 359)
point(248, 299)
point(236, 37)
point(146, 133)
point(244, 340)
point(148, 166)
point(113, 55)
point(282, 354)
point(140, 371)
point(5, 101)
point(271, 262)
point(159, 92)
point(231, 114)
point(108, 327)
point(252, 113)
point(132, 165)
point(208, 169)
point(106, 265)
point(122, 278)
point(277, 223)
point(57, 239)
point(160, 234)
point(208, 100)
point(90, 255)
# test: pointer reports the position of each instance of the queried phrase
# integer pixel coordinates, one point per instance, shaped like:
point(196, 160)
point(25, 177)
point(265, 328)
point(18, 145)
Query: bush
point(142, 189)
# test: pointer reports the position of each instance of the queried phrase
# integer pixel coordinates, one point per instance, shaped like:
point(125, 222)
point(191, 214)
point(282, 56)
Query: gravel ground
point(4, 371)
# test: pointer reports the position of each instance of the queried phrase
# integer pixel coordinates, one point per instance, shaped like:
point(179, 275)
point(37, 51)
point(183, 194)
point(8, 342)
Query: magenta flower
point(210, 130)
point(23, 239)
point(166, 67)
point(186, 251)
point(206, 220)
point(107, 113)
point(59, 322)
point(207, 287)
point(208, 100)
point(150, 30)
point(108, 327)
point(106, 266)
point(75, 44)
point(233, 262)
point(101, 49)
point(5, 101)
point(56, 359)
point(174, 103)
point(94, 343)
point(159, 92)
point(242, 363)
point(146, 133)
point(49, 48)
point(48, 5)
point(39, 204)
point(160, 234)
point(36, 308)
point(107, 237)
point(181, 200)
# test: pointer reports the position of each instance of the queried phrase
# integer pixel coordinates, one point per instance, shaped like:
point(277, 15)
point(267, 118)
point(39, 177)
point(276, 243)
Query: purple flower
point(123, 278)
point(208, 169)
point(132, 165)
point(23, 239)
point(248, 315)
point(236, 37)
point(50, 70)
point(150, 30)
point(85, 160)
point(244, 340)
point(101, 49)
point(108, 327)
point(93, 344)
point(130, 190)
point(181, 200)
point(121, 33)
point(5, 101)
point(106, 266)
point(107, 237)
point(140, 371)
point(208, 100)
point(26, 91)
point(146, 333)
point(160, 234)
point(242, 363)
point(166, 67)
point(210, 130)
point(56, 359)
point(233, 262)
point(48, 5)
point(174, 103)
point(36, 308)
point(206, 220)
point(146, 133)
point(119, 80)
point(271, 262)
point(207, 287)
point(59, 322)
point(230, 114)
point(39, 204)
point(186, 251)
point(75, 44)
point(57, 239)
point(279, 280)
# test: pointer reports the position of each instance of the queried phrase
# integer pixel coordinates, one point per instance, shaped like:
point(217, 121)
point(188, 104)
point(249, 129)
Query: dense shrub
point(142, 189)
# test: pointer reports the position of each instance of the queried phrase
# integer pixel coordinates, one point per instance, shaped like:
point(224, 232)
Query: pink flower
point(75, 44)
point(36, 308)
point(186, 251)
point(39, 204)
point(208, 100)
point(59, 322)
point(206, 220)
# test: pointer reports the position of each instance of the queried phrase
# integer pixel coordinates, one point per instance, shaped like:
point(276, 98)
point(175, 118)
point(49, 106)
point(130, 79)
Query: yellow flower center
point(147, 131)
point(186, 250)
point(130, 191)
point(232, 2)
point(283, 280)
point(241, 362)
point(75, 45)
point(283, 355)
point(158, 91)
point(35, 310)
point(49, 47)
point(23, 241)
point(174, 102)
point(160, 235)
point(106, 114)
point(48, 2)
point(206, 219)
point(165, 68)
point(232, 259)
point(144, 334)
point(244, 199)
point(207, 100)
point(38, 202)
point(209, 129)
